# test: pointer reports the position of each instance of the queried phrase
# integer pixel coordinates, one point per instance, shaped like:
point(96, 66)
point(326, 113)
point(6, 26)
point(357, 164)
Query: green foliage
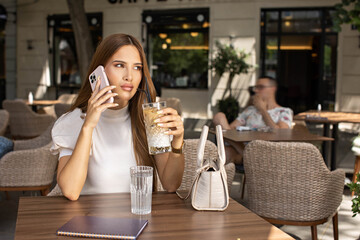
point(230, 107)
point(173, 61)
point(348, 11)
point(228, 59)
point(355, 187)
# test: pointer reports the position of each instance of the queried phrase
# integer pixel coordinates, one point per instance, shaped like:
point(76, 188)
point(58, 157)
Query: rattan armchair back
point(190, 155)
point(4, 121)
point(25, 123)
point(290, 182)
point(31, 166)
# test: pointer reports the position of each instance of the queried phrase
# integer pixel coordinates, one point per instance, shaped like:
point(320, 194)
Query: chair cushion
point(6, 145)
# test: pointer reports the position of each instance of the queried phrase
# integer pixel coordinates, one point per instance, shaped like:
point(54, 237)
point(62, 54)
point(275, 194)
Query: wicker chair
point(24, 123)
point(30, 167)
point(37, 142)
point(190, 154)
point(65, 102)
point(190, 149)
point(4, 120)
point(67, 98)
point(289, 183)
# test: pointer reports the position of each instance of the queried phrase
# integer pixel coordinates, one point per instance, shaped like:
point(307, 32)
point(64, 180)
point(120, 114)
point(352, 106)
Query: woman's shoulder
point(69, 122)
point(66, 130)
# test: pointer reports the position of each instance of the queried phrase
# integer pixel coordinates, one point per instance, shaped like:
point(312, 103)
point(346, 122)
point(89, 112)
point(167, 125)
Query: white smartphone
point(99, 75)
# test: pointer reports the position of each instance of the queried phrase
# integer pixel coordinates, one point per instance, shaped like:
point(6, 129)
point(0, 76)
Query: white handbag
point(209, 189)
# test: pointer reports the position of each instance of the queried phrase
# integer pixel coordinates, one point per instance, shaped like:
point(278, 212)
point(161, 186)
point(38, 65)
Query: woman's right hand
point(97, 105)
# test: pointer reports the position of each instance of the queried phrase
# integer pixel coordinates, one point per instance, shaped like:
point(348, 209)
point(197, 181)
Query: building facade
point(245, 24)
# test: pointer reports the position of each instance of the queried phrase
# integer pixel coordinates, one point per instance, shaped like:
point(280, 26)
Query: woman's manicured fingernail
point(112, 87)
point(116, 104)
point(159, 112)
point(157, 120)
point(160, 124)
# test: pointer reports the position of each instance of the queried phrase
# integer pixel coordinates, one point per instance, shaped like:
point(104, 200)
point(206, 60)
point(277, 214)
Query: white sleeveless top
point(111, 154)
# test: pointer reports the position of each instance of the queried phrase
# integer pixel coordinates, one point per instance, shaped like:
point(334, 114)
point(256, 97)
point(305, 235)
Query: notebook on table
point(98, 227)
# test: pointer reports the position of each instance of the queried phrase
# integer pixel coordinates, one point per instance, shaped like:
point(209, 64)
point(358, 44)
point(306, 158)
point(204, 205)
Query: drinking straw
point(147, 92)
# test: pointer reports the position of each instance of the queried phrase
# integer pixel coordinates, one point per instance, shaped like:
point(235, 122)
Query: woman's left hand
point(169, 118)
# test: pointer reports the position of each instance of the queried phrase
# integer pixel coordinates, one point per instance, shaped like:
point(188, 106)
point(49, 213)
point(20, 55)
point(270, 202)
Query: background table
point(171, 218)
point(329, 118)
point(41, 103)
point(332, 117)
point(276, 135)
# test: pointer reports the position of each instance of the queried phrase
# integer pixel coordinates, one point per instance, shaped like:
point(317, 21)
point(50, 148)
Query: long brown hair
point(103, 53)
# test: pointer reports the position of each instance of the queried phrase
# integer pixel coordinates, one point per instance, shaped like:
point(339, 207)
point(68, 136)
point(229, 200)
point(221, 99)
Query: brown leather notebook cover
point(98, 227)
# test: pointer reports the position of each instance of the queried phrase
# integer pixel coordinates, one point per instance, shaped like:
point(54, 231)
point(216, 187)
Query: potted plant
point(355, 185)
point(228, 59)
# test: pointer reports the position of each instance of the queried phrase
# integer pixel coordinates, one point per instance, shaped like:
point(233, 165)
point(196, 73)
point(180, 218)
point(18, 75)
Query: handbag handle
point(220, 145)
point(200, 160)
point(201, 146)
point(200, 154)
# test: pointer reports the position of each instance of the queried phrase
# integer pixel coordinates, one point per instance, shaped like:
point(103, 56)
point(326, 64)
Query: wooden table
point(276, 135)
point(41, 103)
point(171, 218)
point(332, 117)
point(328, 118)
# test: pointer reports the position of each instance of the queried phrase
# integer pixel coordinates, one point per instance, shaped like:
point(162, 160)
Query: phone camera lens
point(92, 78)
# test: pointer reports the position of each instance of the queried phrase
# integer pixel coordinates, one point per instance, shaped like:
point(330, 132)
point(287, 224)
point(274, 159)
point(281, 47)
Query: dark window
point(178, 47)
point(298, 48)
point(3, 18)
point(64, 62)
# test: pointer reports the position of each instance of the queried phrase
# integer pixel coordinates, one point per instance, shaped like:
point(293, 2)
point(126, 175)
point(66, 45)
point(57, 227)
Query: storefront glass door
point(298, 48)
point(177, 45)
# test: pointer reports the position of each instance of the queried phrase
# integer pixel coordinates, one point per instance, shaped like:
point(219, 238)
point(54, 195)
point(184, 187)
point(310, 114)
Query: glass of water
point(141, 186)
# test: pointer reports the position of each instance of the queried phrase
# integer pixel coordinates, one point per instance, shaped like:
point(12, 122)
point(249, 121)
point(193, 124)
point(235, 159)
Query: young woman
point(98, 141)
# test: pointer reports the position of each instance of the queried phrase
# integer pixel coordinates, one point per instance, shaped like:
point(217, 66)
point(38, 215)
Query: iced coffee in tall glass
point(158, 141)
